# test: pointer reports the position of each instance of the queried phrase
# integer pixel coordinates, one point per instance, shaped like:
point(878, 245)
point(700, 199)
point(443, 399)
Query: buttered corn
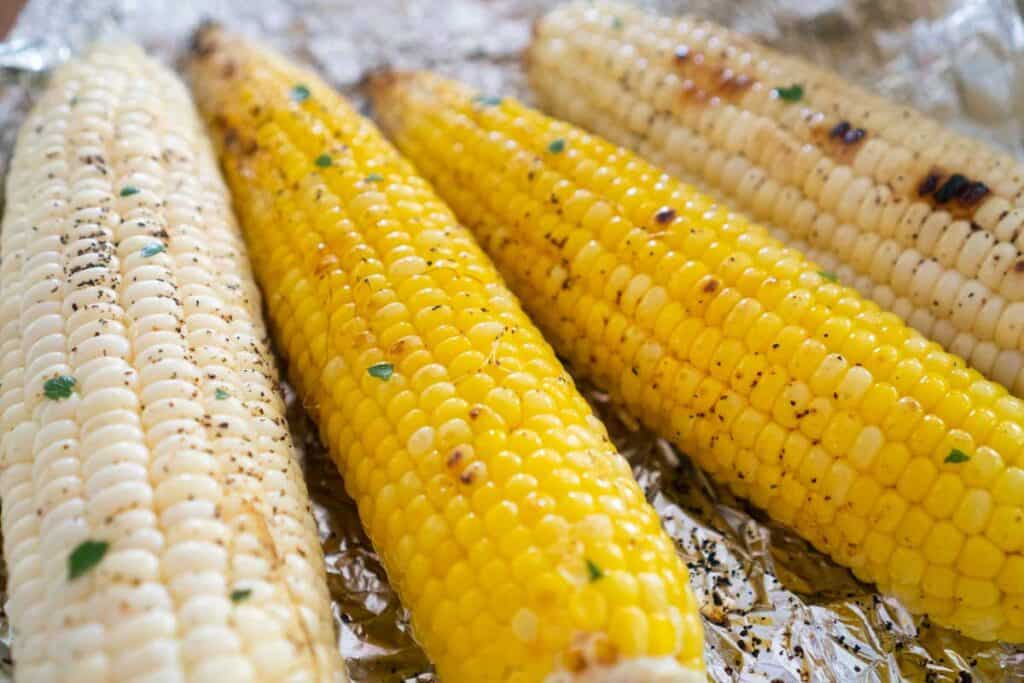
point(510, 527)
point(924, 221)
point(835, 417)
point(156, 525)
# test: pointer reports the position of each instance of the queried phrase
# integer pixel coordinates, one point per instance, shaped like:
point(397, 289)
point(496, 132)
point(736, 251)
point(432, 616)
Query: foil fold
point(774, 609)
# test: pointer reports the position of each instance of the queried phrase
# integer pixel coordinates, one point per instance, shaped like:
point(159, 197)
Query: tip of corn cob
point(382, 86)
point(204, 38)
point(648, 670)
point(389, 87)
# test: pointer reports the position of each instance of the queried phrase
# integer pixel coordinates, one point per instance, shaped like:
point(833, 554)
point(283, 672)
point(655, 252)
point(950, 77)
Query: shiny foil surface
point(774, 609)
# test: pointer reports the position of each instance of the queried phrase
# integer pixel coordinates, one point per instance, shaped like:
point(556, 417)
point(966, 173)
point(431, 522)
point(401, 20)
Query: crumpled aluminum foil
point(775, 609)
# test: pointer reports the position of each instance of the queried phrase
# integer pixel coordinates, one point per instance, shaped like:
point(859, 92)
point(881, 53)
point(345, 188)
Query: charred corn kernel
point(156, 524)
point(510, 527)
point(752, 377)
point(908, 220)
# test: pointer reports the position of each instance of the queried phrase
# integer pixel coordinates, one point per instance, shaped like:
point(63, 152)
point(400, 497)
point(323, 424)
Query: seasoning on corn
point(924, 221)
point(134, 502)
point(485, 482)
point(830, 414)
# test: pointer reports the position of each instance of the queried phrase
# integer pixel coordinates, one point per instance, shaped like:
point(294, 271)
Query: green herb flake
point(617, 23)
point(323, 161)
point(957, 456)
point(374, 178)
point(240, 594)
point(831, 277)
point(300, 93)
point(85, 557)
point(220, 394)
point(59, 387)
point(153, 249)
point(487, 100)
point(381, 371)
point(793, 93)
point(593, 571)
point(556, 146)
point(129, 190)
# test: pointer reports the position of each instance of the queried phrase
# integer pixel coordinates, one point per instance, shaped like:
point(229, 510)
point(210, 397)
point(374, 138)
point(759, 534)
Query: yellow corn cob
point(156, 525)
point(510, 527)
point(839, 420)
point(868, 189)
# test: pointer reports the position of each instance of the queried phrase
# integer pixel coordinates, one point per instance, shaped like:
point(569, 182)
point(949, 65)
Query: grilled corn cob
point(156, 525)
point(838, 419)
point(925, 222)
point(510, 527)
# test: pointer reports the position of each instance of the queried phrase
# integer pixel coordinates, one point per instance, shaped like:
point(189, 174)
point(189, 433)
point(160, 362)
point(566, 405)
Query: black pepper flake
point(665, 215)
point(853, 136)
point(840, 129)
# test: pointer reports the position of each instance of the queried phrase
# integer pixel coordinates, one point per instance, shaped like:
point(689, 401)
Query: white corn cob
point(851, 179)
point(139, 406)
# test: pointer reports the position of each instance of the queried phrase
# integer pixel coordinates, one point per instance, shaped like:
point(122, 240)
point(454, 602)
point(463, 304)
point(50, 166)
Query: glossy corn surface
point(156, 524)
point(838, 419)
point(511, 528)
point(926, 222)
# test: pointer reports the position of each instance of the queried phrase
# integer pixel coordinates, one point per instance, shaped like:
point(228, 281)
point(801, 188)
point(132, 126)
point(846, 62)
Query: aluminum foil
point(775, 609)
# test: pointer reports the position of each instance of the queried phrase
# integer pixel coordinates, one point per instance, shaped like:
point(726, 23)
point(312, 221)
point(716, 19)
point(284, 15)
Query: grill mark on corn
point(703, 82)
point(872, 267)
point(452, 286)
point(831, 368)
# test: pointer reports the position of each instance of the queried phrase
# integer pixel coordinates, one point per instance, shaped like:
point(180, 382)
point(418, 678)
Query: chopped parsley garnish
point(487, 100)
point(300, 93)
point(220, 394)
point(240, 594)
point(830, 276)
point(85, 557)
point(374, 178)
point(556, 145)
point(593, 571)
point(129, 190)
point(793, 93)
point(153, 249)
point(957, 456)
point(617, 23)
point(59, 387)
point(381, 371)
point(323, 161)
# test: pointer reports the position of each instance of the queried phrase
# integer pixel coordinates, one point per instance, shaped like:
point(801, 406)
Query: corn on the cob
point(510, 527)
point(838, 419)
point(925, 222)
point(156, 525)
